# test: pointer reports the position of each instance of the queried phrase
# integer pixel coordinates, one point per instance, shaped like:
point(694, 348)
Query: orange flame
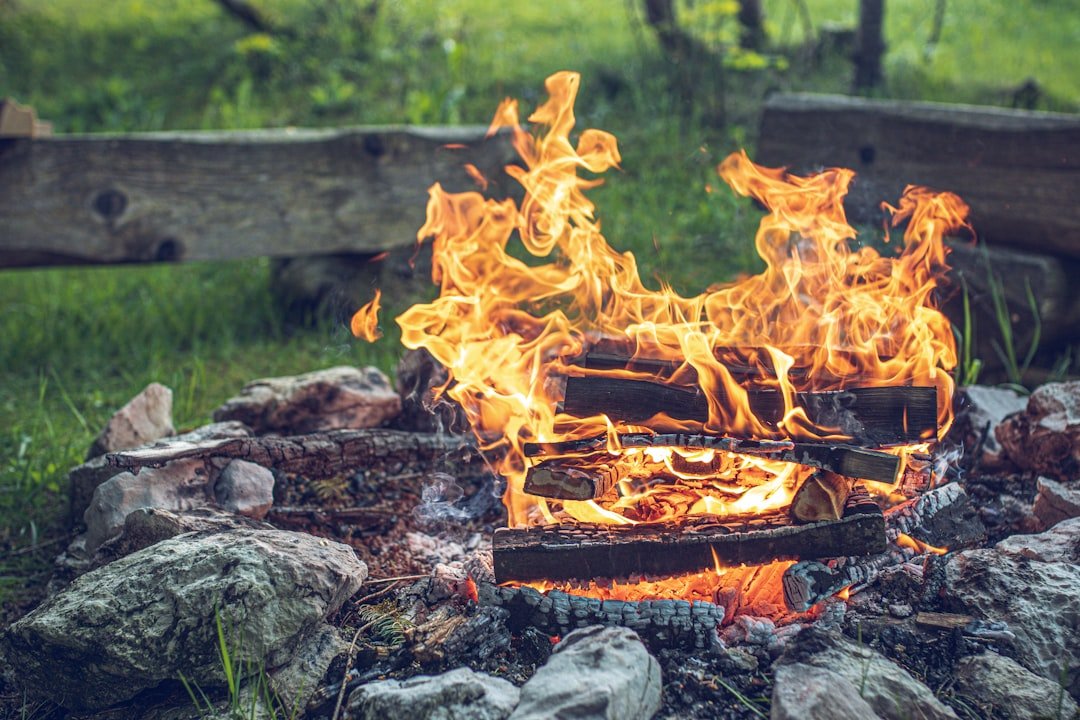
point(906, 541)
point(823, 315)
point(365, 322)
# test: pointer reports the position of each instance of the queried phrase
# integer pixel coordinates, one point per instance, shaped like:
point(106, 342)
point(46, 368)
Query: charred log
point(943, 516)
point(822, 496)
point(846, 460)
point(660, 623)
point(564, 480)
point(808, 582)
point(869, 415)
point(323, 454)
point(566, 552)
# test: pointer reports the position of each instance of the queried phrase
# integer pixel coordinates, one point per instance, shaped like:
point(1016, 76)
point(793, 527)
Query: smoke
point(439, 500)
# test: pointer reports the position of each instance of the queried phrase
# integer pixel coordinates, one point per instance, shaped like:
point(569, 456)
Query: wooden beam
point(843, 459)
point(1018, 170)
point(869, 415)
point(566, 552)
point(164, 197)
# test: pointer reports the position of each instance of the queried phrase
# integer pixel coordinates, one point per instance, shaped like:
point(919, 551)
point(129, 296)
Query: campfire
point(721, 447)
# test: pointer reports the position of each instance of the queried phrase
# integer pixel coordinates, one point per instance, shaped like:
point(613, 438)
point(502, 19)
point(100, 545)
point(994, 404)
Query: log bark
point(822, 496)
point(870, 415)
point(843, 459)
point(165, 197)
point(660, 623)
point(1016, 169)
point(323, 454)
point(566, 552)
point(563, 480)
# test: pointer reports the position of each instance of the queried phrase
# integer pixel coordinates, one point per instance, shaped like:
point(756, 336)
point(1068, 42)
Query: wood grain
point(165, 197)
point(1018, 170)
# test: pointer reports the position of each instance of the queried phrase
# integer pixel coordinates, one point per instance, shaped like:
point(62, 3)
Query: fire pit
point(656, 447)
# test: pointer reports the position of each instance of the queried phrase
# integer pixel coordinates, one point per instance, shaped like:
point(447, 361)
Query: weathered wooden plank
point(163, 197)
point(561, 552)
point(870, 415)
point(1018, 170)
point(847, 460)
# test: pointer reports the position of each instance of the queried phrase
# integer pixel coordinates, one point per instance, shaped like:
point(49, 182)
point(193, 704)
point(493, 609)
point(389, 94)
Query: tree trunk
point(870, 45)
point(751, 25)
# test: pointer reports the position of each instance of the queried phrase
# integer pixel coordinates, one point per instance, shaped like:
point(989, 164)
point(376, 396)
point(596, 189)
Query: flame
point(825, 314)
point(921, 548)
point(365, 322)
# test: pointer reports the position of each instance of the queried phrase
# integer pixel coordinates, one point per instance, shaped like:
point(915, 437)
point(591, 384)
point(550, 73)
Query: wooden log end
point(822, 496)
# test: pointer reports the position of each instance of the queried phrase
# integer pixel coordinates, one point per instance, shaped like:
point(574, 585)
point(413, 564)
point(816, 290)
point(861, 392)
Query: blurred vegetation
point(75, 344)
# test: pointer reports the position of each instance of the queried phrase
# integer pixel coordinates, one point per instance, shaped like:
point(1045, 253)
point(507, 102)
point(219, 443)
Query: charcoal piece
point(808, 582)
point(581, 551)
point(943, 517)
point(847, 460)
point(869, 415)
point(659, 623)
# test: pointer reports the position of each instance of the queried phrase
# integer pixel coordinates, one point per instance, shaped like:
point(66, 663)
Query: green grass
point(75, 344)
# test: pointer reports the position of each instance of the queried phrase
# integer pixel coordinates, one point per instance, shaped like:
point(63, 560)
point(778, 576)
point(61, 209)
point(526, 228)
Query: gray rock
point(805, 692)
point(339, 397)
point(245, 488)
point(84, 479)
point(1045, 437)
point(146, 417)
point(1056, 501)
point(178, 486)
point(1038, 600)
point(889, 689)
point(297, 681)
point(460, 694)
point(1002, 686)
point(150, 616)
point(988, 406)
point(148, 526)
point(1060, 543)
point(602, 673)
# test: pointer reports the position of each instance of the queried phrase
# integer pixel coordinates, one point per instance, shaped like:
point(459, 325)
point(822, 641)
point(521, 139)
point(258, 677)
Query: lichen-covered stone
point(596, 673)
point(1038, 599)
point(887, 688)
point(150, 616)
point(1001, 686)
point(460, 694)
point(805, 692)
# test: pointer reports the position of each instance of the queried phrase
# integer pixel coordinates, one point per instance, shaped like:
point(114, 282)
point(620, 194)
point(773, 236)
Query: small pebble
point(900, 610)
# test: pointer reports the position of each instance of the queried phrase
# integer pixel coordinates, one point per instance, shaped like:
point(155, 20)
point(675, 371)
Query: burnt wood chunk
point(847, 460)
point(943, 517)
point(869, 415)
point(808, 582)
point(568, 481)
point(822, 496)
point(567, 552)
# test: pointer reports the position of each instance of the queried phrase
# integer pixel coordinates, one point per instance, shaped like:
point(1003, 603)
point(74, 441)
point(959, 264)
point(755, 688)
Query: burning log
point(822, 496)
point(660, 623)
point(870, 415)
point(562, 480)
point(846, 460)
point(567, 552)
